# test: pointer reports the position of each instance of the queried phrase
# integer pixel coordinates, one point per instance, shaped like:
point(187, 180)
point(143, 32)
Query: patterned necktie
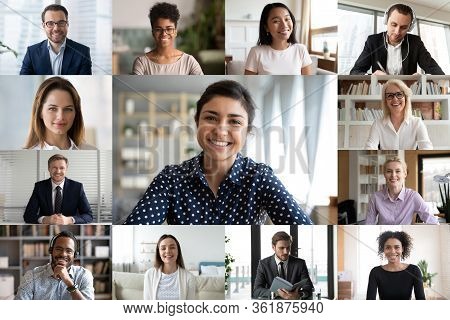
point(58, 200)
point(282, 273)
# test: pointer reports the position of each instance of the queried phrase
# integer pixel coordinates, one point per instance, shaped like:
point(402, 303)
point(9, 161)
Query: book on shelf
point(90, 267)
point(36, 231)
point(89, 230)
point(361, 88)
point(427, 110)
point(437, 88)
point(365, 114)
point(100, 230)
point(88, 248)
point(36, 249)
point(9, 231)
point(341, 110)
point(416, 88)
point(366, 188)
point(101, 267)
point(100, 286)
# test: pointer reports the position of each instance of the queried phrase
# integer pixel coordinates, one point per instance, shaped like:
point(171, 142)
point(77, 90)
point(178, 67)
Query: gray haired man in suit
point(283, 265)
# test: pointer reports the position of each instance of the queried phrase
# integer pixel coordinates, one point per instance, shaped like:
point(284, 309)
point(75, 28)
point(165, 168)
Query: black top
point(413, 53)
point(395, 285)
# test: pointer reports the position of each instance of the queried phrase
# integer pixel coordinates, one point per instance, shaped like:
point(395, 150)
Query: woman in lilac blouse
point(396, 204)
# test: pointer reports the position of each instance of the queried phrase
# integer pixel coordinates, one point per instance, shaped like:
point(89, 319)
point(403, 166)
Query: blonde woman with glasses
point(165, 59)
point(398, 129)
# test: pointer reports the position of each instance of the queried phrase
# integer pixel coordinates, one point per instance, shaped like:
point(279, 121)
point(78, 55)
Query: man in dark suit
point(395, 51)
point(283, 265)
point(58, 200)
point(57, 55)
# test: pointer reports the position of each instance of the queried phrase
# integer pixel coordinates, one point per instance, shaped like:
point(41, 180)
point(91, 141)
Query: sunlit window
point(433, 166)
point(436, 38)
point(356, 24)
point(239, 246)
point(324, 25)
point(90, 24)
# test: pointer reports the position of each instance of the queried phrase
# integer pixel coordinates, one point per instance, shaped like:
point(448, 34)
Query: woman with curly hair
point(396, 279)
point(165, 59)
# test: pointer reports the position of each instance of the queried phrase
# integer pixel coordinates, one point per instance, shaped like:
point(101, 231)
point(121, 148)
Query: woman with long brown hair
point(56, 118)
point(168, 279)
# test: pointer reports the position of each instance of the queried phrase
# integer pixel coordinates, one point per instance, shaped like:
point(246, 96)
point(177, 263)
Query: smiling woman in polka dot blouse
point(219, 186)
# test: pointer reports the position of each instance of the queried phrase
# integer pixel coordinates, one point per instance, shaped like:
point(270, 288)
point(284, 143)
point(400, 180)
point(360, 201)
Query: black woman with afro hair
point(396, 279)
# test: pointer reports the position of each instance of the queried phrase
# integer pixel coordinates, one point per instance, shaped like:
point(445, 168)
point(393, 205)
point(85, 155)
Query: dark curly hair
point(264, 36)
point(401, 236)
point(164, 10)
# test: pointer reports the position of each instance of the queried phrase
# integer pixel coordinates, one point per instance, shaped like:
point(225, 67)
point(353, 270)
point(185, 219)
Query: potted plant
point(426, 276)
point(4, 48)
point(326, 51)
point(228, 261)
point(445, 194)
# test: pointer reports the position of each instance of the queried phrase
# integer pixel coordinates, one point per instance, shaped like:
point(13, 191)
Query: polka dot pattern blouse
point(180, 194)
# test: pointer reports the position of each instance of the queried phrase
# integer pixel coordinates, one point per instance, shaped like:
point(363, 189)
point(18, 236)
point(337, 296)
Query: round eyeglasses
point(168, 30)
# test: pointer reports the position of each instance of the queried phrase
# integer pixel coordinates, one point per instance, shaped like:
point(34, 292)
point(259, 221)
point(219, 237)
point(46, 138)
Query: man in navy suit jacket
point(295, 270)
point(57, 55)
point(44, 206)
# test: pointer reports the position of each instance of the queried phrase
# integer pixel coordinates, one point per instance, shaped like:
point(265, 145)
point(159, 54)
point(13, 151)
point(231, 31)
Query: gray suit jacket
point(267, 271)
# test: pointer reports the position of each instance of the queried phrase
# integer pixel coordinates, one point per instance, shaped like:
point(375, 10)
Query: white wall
point(427, 244)
point(17, 96)
point(235, 10)
point(198, 243)
point(436, 14)
point(134, 13)
point(242, 25)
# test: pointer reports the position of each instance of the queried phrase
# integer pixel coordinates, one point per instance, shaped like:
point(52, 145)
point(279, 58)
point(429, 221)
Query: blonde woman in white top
point(398, 129)
point(168, 279)
point(277, 50)
point(56, 118)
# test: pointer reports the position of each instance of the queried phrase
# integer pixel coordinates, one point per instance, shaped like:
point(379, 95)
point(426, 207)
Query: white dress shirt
point(394, 59)
point(411, 134)
point(73, 146)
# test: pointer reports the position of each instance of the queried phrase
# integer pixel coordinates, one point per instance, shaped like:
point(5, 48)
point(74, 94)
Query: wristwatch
point(72, 288)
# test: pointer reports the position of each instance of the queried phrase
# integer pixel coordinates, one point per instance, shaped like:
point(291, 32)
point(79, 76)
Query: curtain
point(296, 133)
point(305, 22)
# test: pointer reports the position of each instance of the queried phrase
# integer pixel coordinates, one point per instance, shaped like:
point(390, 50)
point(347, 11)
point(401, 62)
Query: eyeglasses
point(399, 95)
point(59, 250)
point(169, 30)
point(61, 24)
